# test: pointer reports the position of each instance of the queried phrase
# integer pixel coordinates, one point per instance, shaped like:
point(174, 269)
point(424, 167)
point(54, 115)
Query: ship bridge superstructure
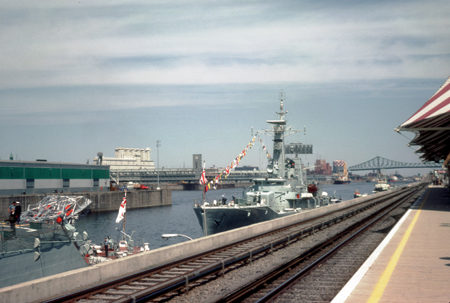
point(279, 166)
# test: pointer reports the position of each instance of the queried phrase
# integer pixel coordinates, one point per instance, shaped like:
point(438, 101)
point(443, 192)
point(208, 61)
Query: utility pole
point(158, 144)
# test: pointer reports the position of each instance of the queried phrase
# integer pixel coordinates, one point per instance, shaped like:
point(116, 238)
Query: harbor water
point(149, 224)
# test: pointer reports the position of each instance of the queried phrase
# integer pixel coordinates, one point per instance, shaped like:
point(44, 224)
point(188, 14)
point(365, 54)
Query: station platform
point(412, 264)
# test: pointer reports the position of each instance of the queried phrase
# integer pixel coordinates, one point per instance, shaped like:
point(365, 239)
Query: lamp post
point(167, 236)
point(158, 144)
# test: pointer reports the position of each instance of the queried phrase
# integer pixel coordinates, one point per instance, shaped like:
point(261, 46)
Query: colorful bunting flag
point(236, 161)
point(203, 176)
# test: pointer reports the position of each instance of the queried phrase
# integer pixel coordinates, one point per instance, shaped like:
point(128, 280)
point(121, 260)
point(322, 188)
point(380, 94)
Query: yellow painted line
point(383, 282)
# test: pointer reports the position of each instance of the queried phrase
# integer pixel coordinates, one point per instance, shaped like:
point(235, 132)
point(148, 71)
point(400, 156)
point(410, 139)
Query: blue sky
point(80, 77)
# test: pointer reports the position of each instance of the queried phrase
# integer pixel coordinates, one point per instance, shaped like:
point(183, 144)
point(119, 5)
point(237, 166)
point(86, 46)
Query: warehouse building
point(32, 177)
point(127, 159)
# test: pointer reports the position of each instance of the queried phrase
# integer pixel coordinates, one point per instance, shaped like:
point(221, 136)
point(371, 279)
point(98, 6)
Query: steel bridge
point(378, 163)
point(180, 175)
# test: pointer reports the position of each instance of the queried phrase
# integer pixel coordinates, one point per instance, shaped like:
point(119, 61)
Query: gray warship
point(46, 241)
point(283, 193)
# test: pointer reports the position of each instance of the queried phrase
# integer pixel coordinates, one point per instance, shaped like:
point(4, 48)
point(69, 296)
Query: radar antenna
point(282, 113)
point(281, 99)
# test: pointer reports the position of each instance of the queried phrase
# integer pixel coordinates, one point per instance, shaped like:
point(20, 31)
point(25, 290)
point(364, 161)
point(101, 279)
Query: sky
point(82, 77)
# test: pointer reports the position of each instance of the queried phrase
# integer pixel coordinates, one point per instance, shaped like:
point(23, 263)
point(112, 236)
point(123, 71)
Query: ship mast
point(278, 138)
point(279, 130)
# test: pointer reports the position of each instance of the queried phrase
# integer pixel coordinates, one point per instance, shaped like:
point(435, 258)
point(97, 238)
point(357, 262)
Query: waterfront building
point(339, 166)
point(340, 173)
point(322, 167)
point(127, 159)
point(32, 177)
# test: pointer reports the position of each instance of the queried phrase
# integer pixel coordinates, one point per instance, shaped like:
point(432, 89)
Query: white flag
point(122, 209)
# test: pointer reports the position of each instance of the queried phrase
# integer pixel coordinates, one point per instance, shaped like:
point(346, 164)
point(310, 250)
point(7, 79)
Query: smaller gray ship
point(282, 193)
point(45, 242)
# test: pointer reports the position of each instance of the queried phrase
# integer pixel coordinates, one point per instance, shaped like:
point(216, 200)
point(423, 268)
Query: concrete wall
point(101, 201)
point(108, 201)
point(56, 285)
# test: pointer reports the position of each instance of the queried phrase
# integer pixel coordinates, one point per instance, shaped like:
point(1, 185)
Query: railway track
point(170, 280)
point(318, 274)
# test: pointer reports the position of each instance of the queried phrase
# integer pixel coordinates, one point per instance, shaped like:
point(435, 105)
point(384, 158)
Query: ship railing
point(245, 202)
point(209, 202)
point(218, 202)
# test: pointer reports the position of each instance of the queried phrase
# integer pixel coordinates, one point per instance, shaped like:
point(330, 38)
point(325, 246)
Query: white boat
point(381, 187)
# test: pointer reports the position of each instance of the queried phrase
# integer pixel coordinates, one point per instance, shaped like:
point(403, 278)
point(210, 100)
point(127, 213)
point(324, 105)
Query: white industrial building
point(127, 159)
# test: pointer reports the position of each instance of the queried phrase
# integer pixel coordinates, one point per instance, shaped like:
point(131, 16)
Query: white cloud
point(182, 42)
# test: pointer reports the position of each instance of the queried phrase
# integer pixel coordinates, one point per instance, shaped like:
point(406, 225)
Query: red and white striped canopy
point(438, 104)
point(431, 123)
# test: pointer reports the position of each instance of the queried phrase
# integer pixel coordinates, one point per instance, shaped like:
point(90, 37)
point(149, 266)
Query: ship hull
point(220, 219)
point(56, 254)
point(342, 181)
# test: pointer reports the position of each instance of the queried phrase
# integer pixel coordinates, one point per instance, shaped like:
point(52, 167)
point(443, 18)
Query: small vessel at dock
point(282, 193)
point(111, 249)
point(342, 181)
point(341, 177)
point(393, 179)
point(46, 242)
point(357, 194)
point(381, 187)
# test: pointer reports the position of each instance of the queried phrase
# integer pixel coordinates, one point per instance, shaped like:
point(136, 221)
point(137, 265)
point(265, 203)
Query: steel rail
point(176, 283)
point(273, 294)
point(247, 289)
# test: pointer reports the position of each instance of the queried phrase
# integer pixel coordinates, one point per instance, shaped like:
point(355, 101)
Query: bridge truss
point(378, 163)
point(179, 175)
